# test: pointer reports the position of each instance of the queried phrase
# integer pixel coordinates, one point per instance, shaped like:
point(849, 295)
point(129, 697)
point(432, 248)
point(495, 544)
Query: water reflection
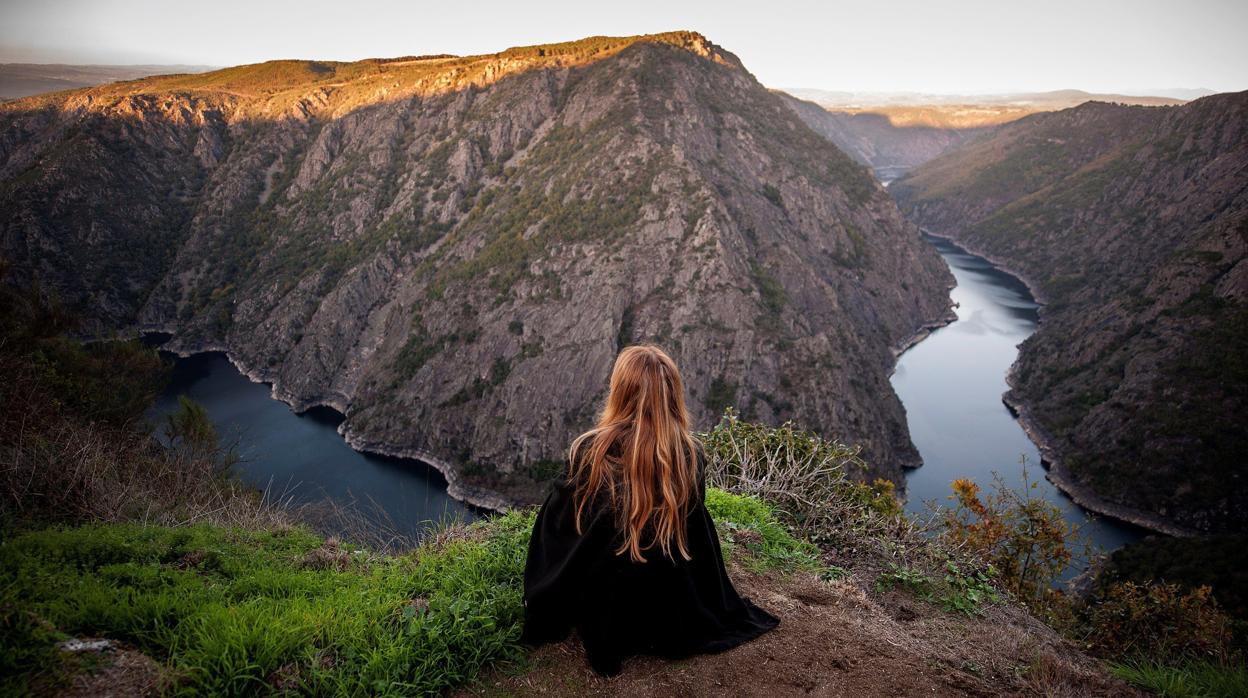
point(302, 455)
point(951, 385)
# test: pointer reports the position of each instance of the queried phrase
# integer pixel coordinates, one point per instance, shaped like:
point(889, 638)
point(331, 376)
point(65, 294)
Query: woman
point(624, 549)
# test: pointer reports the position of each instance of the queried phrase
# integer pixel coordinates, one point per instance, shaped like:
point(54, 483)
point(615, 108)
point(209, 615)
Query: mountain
point(451, 250)
point(26, 79)
point(1041, 101)
point(874, 138)
point(1131, 225)
point(896, 131)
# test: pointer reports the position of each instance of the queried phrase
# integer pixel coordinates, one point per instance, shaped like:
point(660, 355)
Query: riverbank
point(459, 490)
point(1061, 478)
point(1055, 471)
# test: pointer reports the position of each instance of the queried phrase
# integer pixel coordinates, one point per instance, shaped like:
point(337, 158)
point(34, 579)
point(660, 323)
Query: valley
point(449, 251)
point(1131, 223)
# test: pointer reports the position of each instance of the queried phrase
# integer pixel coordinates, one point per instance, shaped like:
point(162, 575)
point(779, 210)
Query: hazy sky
point(932, 46)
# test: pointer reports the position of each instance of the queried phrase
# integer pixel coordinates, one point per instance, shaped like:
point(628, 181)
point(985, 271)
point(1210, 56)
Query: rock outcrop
point(452, 250)
point(1131, 224)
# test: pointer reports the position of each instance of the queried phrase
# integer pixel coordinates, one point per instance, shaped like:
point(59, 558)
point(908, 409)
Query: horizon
point(971, 48)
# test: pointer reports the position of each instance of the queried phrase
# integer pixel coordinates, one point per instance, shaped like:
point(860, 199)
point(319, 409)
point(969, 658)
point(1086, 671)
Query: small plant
point(966, 593)
point(751, 526)
point(913, 581)
point(1188, 679)
point(832, 573)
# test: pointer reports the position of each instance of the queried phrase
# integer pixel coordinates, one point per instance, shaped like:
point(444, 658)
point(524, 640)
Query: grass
point(1195, 679)
point(230, 609)
point(752, 528)
point(234, 611)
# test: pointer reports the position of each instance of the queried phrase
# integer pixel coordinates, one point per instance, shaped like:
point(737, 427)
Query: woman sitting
point(624, 549)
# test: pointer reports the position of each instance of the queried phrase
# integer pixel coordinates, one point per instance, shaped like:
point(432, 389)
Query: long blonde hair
point(650, 481)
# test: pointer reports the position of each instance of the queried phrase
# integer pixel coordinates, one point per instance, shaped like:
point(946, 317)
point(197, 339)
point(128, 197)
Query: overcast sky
point(945, 46)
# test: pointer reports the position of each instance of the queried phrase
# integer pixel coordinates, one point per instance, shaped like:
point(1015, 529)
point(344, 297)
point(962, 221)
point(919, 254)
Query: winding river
point(951, 384)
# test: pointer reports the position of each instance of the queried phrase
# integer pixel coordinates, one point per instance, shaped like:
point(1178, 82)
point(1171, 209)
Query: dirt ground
point(836, 640)
point(115, 672)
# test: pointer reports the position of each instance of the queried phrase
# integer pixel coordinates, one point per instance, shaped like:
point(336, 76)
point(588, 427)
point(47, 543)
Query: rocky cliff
point(1131, 223)
point(451, 250)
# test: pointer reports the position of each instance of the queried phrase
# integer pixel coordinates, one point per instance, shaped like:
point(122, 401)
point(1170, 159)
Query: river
point(951, 385)
point(302, 456)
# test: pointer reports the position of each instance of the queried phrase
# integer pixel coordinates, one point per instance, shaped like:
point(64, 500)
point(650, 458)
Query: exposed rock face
point(1132, 225)
point(452, 250)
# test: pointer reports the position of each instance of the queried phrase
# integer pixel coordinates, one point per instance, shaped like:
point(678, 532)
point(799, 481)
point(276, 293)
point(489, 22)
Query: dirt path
point(836, 640)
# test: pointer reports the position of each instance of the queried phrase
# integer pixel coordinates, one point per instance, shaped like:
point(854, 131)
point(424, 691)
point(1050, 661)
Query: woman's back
point(597, 561)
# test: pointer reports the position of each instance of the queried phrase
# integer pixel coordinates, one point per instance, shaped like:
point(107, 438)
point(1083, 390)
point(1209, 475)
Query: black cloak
point(662, 607)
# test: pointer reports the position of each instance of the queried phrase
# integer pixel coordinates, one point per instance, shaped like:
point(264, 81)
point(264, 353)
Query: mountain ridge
point(1132, 223)
point(452, 258)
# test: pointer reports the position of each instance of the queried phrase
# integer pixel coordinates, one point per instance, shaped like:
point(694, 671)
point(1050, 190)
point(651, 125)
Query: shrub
point(1024, 538)
point(76, 445)
point(805, 477)
point(1157, 621)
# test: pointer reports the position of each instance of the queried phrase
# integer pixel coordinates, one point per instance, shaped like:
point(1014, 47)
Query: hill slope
point(1131, 223)
point(874, 138)
point(896, 132)
point(451, 250)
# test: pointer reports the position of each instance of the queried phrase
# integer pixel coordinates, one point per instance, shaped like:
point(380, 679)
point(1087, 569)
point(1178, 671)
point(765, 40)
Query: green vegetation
point(721, 395)
point(232, 611)
point(772, 194)
point(235, 611)
point(772, 292)
point(751, 528)
point(913, 581)
point(1193, 679)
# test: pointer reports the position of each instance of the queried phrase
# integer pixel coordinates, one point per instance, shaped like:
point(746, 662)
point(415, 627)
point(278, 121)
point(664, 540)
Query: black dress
point(663, 607)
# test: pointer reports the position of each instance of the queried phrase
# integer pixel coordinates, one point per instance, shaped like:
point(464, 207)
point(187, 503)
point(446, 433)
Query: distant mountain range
point(1042, 101)
point(26, 79)
point(895, 131)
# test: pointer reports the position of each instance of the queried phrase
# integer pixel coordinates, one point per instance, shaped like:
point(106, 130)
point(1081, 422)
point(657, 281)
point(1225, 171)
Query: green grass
point(228, 610)
point(761, 541)
point(1197, 679)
